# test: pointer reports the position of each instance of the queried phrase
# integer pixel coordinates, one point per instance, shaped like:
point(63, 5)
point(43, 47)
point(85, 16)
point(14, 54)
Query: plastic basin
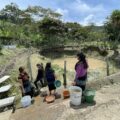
point(50, 99)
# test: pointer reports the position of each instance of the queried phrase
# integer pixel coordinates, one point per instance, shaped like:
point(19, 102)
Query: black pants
point(51, 87)
point(82, 79)
point(28, 93)
point(40, 82)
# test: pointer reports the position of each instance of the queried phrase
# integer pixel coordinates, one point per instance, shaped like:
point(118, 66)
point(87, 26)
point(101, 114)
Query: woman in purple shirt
point(81, 71)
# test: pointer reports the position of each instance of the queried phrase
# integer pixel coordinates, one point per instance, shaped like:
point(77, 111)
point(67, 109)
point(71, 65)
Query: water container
point(57, 83)
point(26, 101)
point(89, 95)
point(75, 95)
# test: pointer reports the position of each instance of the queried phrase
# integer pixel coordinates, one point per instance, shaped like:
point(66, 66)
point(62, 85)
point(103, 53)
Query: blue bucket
point(57, 83)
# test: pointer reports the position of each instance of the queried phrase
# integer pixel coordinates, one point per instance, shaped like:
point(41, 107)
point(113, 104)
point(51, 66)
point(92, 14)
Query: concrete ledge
point(97, 84)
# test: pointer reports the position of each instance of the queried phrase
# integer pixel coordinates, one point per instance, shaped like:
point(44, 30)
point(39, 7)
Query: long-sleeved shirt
point(23, 76)
point(49, 73)
point(81, 71)
point(40, 74)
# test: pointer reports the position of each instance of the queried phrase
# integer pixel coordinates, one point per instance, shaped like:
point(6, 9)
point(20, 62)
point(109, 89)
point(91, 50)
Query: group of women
point(80, 78)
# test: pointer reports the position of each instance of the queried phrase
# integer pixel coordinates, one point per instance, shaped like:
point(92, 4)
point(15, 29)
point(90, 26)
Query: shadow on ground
point(83, 105)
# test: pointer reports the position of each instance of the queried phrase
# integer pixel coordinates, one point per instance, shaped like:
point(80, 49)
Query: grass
point(59, 72)
point(8, 54)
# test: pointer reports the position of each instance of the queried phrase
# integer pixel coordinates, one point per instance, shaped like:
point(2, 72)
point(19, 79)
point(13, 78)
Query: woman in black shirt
point(50, 76)
point(40, 75)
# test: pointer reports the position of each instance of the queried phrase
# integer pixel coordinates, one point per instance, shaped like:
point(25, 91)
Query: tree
point(38, 12)
point(10, 13)
point(53, 31)
point(73, 31)
point(0, 47)
point(22, 25)
point(112, 26)
point(76, 33)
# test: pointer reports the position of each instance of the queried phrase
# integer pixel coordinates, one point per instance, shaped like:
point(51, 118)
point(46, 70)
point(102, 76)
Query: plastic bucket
point(89, 95)
point(75, 95)
point(26, 101)
point(57, 83)
point(66, 93)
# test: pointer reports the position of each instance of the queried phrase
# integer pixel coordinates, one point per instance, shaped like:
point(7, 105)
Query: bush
point(103, 53)
point(0, 48)
point(92, 48)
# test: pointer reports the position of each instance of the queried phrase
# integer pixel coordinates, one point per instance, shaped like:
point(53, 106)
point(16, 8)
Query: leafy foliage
point(39, 26)
point(0, 47)
point(112, 26)
point(53, 30)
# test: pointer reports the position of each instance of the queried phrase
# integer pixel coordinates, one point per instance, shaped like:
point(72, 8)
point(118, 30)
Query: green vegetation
point(0, 48)
point(53, 31)
point(41, 27)
point(112, 26)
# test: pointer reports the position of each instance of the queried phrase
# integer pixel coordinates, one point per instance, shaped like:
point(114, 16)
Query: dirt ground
point(107, 107)
point(5, 115)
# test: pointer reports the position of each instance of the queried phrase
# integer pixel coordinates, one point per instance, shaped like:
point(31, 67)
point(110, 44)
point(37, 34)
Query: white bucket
point(75, 95)
point(26, 101)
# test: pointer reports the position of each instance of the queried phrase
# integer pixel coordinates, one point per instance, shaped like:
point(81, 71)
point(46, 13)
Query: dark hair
point(37, 64)
point(48, 66)
point(82, 58)
point(21, 69)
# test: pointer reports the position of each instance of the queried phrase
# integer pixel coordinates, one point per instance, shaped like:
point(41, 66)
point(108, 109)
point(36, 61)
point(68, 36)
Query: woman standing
point(23, 78)
point(50, 77)
point(81, 71)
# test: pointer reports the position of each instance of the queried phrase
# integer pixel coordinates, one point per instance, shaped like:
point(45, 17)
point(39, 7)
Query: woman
point(25, 83)
point(50, 77)
point(81, 71)
point(40, 75)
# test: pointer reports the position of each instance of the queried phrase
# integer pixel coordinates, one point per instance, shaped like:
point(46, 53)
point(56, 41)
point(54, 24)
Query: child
point(50, 77)
point(40, 75)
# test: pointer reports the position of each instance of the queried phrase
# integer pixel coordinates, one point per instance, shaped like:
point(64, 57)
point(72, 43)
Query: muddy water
point(96, 67)
point(93, 63)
